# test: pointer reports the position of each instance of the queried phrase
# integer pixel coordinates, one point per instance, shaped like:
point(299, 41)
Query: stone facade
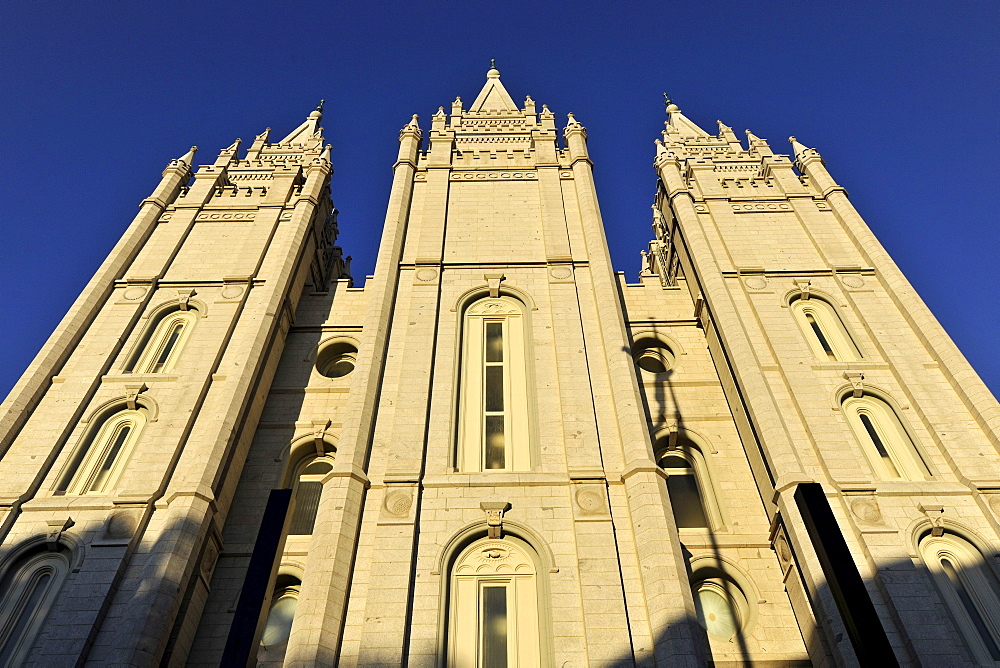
point(700, 381)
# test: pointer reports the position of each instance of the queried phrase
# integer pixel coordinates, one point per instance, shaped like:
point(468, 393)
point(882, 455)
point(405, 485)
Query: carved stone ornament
point(120, 525)
point(427, 274)
point(853, 281)
point(55, 532)
point(866, 509)
point(494, 516)
point(995, 504)
point(755, 282)
point(589, 499)
point(857, 381)
point(398, 502)
point(489, 307)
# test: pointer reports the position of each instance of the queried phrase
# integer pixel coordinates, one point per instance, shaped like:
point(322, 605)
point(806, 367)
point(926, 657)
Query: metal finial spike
point(666, 100)
point(319, 107)
point(493, 63)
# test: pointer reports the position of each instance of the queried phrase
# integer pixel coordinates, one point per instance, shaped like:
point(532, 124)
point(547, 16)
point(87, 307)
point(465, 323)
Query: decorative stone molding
point(132, 393)
point(935, 514)
point(494, 516)
point(856, 379)
point(55, 532)
point(804, 286)
point(494, 281)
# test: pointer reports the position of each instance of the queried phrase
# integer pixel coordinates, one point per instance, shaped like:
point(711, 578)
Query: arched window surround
point(527, 541)
point(873, 415)
point(103, 450)
point(302, 453)
point(345, 344)
point(470, 452)
point(727, 579)
point(823, 327)
point(651, 338)
point(162, 338)
point(968, 584)
point(29, 587)
point(691, 447)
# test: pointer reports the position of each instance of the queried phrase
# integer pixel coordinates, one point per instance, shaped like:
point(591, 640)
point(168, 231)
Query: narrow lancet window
point(689, 484)
point(27, 593)
point(306, 495)
point(970, 590)
point(824, 331)
point(885, 441)
point(161, 344)
point(493, 395)
point(98, 461)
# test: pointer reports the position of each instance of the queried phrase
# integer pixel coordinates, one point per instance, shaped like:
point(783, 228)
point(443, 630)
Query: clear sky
point(899, 97)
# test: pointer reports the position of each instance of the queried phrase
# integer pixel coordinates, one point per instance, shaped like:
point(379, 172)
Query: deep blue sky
point(900, 98)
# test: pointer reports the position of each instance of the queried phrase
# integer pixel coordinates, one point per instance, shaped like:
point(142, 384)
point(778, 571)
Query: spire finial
point(493, 63)
point(319, 107)
point(669, 104)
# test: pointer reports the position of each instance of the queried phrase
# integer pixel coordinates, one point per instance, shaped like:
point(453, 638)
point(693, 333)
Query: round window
point(653, 355)
point(720, 606)
point(337, 360)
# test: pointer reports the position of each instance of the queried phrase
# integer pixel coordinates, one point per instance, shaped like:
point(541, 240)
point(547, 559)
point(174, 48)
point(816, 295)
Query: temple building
point(497, 452)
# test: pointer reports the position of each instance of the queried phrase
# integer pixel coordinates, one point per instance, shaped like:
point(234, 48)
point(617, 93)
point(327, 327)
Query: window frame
point(495, 562)
point(472, 419)
point(16, 580)
point(895, 437)
point(980, 583)
point(690, 451)
point(95, 448)
point(827, 323)
point(156, 335)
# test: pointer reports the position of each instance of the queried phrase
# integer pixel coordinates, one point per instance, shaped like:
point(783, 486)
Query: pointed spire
point(229, 154)
point(571, 120)
point(309, 129)
point(188, 158)
point(413, 122)
point(494, 97)
point(660, 148)
point(797, 148)
point(676, 121)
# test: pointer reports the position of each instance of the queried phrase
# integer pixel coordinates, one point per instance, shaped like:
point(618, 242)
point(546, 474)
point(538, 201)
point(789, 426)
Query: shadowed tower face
point(497, 452)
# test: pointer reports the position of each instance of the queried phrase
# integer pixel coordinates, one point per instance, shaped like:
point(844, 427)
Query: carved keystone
point(857, 381)
point(55, 532)
point(494, 281)
point(494, 516)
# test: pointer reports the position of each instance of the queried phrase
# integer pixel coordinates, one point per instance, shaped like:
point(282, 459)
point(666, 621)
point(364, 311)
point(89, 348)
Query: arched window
point(720, 604)
point(884, 440)
point(160, 345)
point(970, 590)
point(824, 331)
point(689, 484)
point(653, 355)
point(307, 488)
point(493, 606)
point(493, 408)
point(98, 461)
point(26, 594)
point(280, 612)
point(337, 359)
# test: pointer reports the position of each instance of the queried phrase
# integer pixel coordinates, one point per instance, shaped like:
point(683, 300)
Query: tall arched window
point(970, 590)
point(883, 438)
point(824, 331)
point(98, 461)
point(307, 488)
point(493, 407)
point(161, 343)
point(280, 613)
point(493, 606)
point(26, 594)
point(692, 495)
